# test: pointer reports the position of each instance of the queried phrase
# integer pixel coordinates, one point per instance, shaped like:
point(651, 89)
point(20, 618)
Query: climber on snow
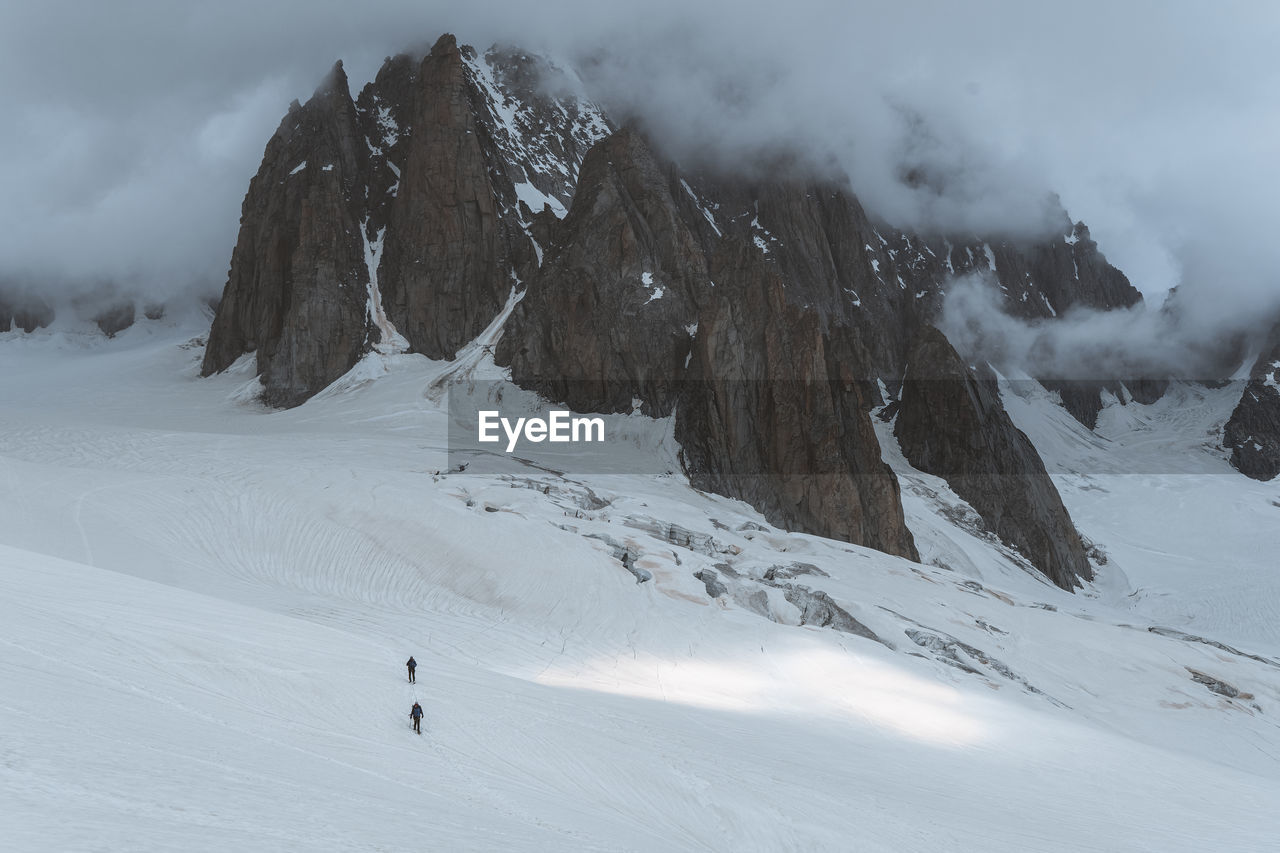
point(412, 665)
point(416, 714)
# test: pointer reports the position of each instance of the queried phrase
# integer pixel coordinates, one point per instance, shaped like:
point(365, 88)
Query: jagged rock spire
point(951, 422)
point(1253, 432)
point(761, 312)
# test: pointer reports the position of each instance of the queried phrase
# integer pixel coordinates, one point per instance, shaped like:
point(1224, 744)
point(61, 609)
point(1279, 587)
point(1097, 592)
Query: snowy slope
point(206, 606)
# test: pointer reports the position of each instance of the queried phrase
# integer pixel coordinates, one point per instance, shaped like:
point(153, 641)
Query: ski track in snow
point(205, 607)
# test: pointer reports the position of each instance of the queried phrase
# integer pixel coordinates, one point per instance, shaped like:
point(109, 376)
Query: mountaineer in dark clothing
point(416, 714)
point(412, 664)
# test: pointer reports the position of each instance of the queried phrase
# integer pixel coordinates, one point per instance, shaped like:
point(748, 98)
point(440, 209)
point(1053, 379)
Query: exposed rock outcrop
point(1071, 273)
point(106, 307)
point(453, 241)
point(296, 295)
point(610, 315)
point(22, 309)
point(401, 214)
point(1042, 280)
point(115, 318)
point(103, 304)
point(771, 406)
point(1253, 432)
point(1083, 397)
point(951, 423)
point(775, 412)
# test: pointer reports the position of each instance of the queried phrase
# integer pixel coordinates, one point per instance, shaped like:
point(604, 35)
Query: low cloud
point(138, 125)
point(1146, 341)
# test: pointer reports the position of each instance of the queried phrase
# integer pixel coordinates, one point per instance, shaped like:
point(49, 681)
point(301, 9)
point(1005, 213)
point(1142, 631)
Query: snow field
point(205, 608)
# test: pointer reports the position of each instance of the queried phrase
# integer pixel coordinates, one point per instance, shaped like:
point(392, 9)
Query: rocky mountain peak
point(1253, 432)
point(393, 216)
point(759, 310)
point(951, 422)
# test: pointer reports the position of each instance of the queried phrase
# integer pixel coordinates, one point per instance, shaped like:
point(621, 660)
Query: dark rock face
point(951, 423)
point(106, 307)
point(775, 412)
point(397, 214)
point(116, 318)
point(1044, 280)
point(297, 292)
point(641, 297)
point(486, 141)
point(450, 251)
point(624, 253)
point(833, 258)
point(1037, 280)
point(1073, 273)
point(1253, 432)
point(1083, 398)
point(22, 309)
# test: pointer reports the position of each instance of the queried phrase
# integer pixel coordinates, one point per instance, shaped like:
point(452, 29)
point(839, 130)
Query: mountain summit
point(769, 316)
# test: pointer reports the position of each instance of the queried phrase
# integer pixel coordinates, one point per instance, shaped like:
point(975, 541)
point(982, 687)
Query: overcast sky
point(133, 127)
